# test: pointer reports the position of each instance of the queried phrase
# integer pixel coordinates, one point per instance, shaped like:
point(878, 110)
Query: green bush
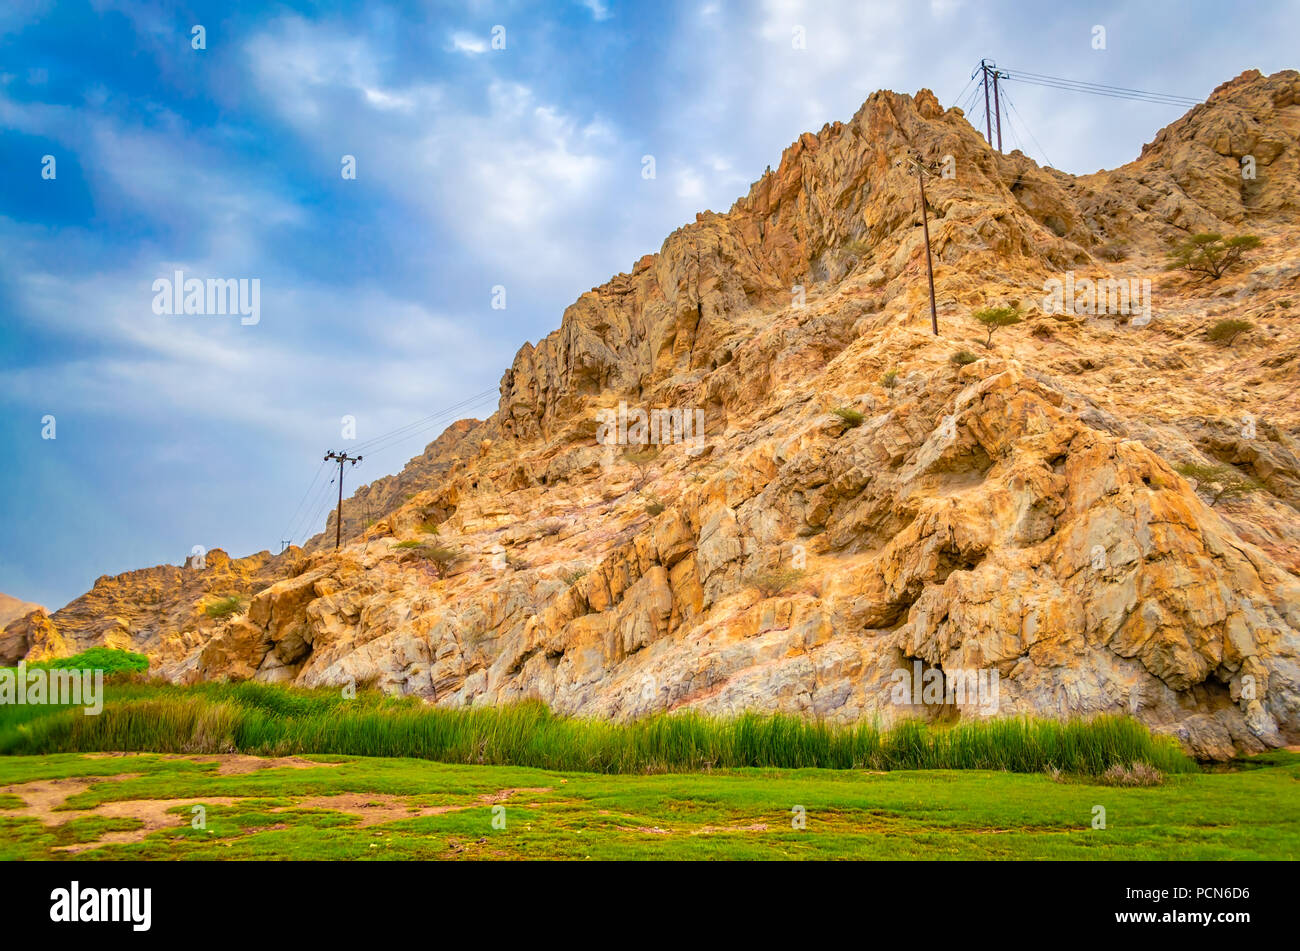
point(108, 659)
point(1218, 481)
point(963, 357)
point(1226, 331)
point(224, 607)
point(852, 418)
point(889, 380)
point(440, 558)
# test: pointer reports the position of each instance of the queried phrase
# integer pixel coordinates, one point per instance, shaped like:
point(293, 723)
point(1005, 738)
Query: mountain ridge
point(956, 525)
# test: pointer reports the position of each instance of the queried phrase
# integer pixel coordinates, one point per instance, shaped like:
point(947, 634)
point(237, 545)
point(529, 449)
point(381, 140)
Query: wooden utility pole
point(922, 170)
point(988, 127)
point(341, 457)
point(988, 70)
point(997, 108)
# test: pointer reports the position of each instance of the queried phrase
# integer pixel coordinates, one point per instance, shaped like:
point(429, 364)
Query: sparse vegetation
point(654, 508)
point(1113, 251)
point(773, 581)
point(429, 527)
point(889, 380)
point(995, 318)
point(963, 358)
point(440, 559)
point(852, 418)
point(1134, 774)
point(1219, 481)
point(1226, 331)
point(224, 607)
point(1211, 253)
point(573, 577)
point(643, 459)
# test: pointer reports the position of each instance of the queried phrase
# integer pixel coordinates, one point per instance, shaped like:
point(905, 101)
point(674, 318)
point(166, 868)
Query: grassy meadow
point(279, 772)
point(141, 806)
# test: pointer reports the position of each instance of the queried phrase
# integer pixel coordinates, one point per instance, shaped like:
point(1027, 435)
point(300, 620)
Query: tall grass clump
point(273, 720)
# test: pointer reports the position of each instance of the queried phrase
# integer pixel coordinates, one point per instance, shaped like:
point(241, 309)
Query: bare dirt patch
point(376, 809)
point(152, 813)
point(42, 797)
point(238, 764)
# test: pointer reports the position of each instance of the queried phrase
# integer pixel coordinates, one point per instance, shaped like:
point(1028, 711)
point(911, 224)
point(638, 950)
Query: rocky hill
point(12, 608)
point(1100, 508)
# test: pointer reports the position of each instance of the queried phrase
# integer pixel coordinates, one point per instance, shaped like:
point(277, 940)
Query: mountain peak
point(827, 493)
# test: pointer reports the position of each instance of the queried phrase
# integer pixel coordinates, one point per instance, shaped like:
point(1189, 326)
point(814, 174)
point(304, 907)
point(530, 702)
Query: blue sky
point(476, 167)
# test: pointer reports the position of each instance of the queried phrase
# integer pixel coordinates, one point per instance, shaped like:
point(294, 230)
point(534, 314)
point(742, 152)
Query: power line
point(1098, 89)
point(293, 519)
point(1011, 126)
point(306, 518)
point(477, 398)
point(434, 422)
point(1028, 131)
point(963, 89)
point(312, 512)
point(319, 506)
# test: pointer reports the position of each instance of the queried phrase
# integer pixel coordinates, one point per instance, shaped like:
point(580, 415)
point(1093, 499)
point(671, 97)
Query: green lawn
point(345, 807)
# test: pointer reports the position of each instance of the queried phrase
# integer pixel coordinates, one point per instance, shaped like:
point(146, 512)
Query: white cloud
point(498, 167)
point(463, 42)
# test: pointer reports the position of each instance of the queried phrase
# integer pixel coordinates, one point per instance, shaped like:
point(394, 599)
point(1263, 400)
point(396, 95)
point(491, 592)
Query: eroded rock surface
point(1022, 513)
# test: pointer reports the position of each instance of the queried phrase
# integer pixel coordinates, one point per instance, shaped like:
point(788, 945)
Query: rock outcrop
point(861, 496)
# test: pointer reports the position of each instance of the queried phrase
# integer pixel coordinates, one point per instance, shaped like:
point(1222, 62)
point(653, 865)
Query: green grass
point(1248, 811)
point(267, 719)
point(107, 659)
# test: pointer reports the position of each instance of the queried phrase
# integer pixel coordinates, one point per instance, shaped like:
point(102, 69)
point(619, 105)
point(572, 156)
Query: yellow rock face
point(1020, 515)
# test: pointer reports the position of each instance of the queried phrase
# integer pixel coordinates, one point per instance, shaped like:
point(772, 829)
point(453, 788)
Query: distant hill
point(11, 609)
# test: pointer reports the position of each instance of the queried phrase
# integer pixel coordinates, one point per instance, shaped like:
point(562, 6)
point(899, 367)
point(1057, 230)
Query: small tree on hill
point(1211, 253)
point(1219, 481)
point(995, 317)
point(1226, 331)
point(643, 459)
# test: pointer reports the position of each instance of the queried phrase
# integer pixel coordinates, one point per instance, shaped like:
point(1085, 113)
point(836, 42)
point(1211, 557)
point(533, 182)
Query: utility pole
point(997, 108)
point(285, 543)
point(988, 70)
point(341, 457)
point(988, 128)
point(914, 160)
